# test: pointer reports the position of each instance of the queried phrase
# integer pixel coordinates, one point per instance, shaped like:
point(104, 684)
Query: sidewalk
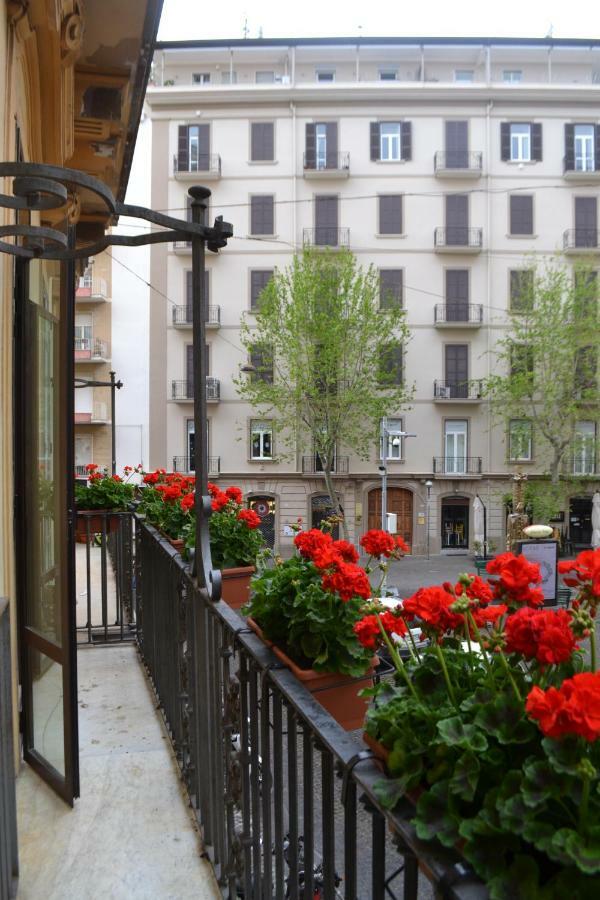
point(412, 572)
point(131, 834)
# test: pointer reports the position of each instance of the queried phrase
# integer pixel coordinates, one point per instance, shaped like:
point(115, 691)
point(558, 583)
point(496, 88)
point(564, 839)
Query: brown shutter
point(189, 369)
point(457, 219)
point(390, 214)
point(262, 142)
point(326, 220)
point(390, 365)
point(596, 147)
point(310, 146)
point(536, 141)
point(521, 214)
point(262, 214)
point(406, 140)
point(203, 146)
point(569, 148)
point(183, 160)
point(586, 222)
point(457, 295)
point(259, 278)
point(331, 145)
point(457, 369)
point(375, 142)
point(505, 141)
point(390, 288)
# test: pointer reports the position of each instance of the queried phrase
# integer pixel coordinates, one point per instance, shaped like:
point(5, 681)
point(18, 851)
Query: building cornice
point(423, 41)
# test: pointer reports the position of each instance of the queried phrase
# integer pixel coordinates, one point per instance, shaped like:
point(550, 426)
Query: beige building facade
point(445, 165)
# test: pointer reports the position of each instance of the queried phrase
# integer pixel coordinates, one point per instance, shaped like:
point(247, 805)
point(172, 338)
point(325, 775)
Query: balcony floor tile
point(131, 834)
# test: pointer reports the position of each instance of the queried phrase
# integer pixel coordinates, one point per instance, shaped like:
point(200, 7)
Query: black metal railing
point(90, 348)
point(455, 160)
point(457, 390)
point(184, 389)
point(454, 313)
point(202, 164)
point(183, 315)
point(581, 239)
point(104, 565)
point(9, 863)
point(583, 465)
point(457, 465)
point(187, 464)
point(313, 465)
point(339, 161)
point(583, 165)
point(81, 472)
point(285, 799)
point(326, 236)
point(458, 236)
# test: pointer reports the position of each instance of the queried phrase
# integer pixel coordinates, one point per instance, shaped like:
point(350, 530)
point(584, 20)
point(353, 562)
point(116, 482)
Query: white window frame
point(325, 75)
point(394, 445)
point(390, 141)
point(455, 463)
point(459, 73)
point(584, 457)
point(388, 74)
point(200, 77)
point(321, 145)
point(520, 142)
point(584, 159)
point(516, 442)
point(512, 76)
point(261, 427)
point(86, 281)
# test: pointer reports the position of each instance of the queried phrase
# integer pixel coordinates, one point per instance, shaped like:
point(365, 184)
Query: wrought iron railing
point(203, 164)
point(183, 315)
point(313, 465)
point(455, 313)
point(457, 390)
point(187, 465)
point(339, 161)
point(9, 864)
point(259, 756)
point(90, 348)
point(471, 160)
point(182, 389)
point(581, 239)
point(326, 236)
point(457, 465)
point(583, 464)
point(458, 236)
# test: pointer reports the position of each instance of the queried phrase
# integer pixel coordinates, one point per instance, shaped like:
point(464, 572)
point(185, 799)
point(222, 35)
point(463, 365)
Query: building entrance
point(455, 523)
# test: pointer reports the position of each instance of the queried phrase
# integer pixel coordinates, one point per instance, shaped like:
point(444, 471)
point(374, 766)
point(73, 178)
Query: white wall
point(130, 316)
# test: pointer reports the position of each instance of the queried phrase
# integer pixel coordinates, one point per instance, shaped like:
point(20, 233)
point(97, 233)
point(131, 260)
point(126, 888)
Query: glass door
point(455, 447)
point(44, 464)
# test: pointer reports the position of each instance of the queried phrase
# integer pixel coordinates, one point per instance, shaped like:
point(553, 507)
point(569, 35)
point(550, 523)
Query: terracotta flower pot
point(338, 694)
point(258, 630)
point(381, 752)
point(177, 543)
point(236, 586)
point(97, 520)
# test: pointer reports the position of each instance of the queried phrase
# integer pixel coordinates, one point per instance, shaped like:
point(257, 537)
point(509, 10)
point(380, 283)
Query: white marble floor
point(131, 834)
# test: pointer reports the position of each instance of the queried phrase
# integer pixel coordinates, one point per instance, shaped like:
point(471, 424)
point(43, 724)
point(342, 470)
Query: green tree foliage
point(335, 357)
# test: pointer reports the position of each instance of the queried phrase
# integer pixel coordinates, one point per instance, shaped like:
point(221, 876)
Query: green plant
point(104, 491)
point(235, 539)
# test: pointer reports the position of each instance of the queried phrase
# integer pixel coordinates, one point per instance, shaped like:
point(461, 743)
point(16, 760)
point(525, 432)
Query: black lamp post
point(113, 385)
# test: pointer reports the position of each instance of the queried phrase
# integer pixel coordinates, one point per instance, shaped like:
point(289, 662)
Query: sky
point(194, 19)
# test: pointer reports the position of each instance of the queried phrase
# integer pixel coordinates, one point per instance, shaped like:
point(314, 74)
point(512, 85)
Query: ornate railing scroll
point(39, 188)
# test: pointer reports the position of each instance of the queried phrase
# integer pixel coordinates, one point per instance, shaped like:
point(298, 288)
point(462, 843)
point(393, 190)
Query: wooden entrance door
point(399, 501)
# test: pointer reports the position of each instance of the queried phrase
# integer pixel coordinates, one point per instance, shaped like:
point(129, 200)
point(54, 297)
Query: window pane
point(390, 140)
point(520, 440)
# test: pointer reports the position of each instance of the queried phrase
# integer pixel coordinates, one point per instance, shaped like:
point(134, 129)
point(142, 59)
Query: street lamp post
point(396, 437)
point(113, 384)
point(428, 485)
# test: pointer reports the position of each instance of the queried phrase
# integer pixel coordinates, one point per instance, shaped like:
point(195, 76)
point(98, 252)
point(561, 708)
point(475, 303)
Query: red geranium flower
point(574, 708)
point(348, 580)
point(488, 615)
point(326, 557)
point(219, 500)
point(543, 634)
point(249, 517)
point(378, 543)
point(234, 493)
point(151, 478)
point(346, 550)
point(187, 502)
point(515, 577)
point(91, 467)
point(586, 569)
point(368, 632)
point(117, 478)
point(431, 605)
point(308, 542)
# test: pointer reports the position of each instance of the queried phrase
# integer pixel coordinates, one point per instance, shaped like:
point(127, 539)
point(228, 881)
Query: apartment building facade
point(445, 164)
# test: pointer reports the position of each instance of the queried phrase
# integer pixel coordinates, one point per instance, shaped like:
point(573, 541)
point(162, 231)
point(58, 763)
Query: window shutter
point(457, 285)
point(189, 368)
point(183, 160)
point(536, 141)
point(505, 141)
point(262, 142)
point(332, 145)
point(596, 147)
point(310, 146)
point(390, 214)
point(521, 214)
point(569, 148)
point(406, 140)
point(375, 141)
point(390, 365)
point(390, 288)
point(262, 215)
point(259, 278)
point(203, 146)
point(206, 295)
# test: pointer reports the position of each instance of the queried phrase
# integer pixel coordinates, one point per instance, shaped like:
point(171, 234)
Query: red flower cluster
point(234, 493)
point(348, 580)
point(574, 708)
point(488, 615)
point(91, 467)
point(248, 516)
point(586, 569)
point(187, 502)
point(337, 560)
point(368, 632)
point(515, 577)
point(310, 542)
point(346, 550)
point(478, 589)
point(431, 605)
point(381, 543)
point(541, 634)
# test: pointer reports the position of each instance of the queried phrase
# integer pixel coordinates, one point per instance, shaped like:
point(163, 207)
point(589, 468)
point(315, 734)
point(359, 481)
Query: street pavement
point(412, 572)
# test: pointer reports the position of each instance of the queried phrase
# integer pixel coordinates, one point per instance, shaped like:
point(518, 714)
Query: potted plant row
point(306, 608)
point(493, 729)
point(100, 497)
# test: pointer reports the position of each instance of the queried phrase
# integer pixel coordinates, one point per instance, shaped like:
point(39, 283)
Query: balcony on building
point(183, 317)
point(580, 169)
point(98, 415)
point(91, 289)
point(326, 236)
point(182, 246)
point(458, 163)
point(331, 165)
point(458, 315)
point(187, 465)
point(458, 239)
point(583, 465)
point(457, 466)
point(207, 167)
point(91, 350)
point(458, 391)
point(183, 390)
point(581, 240)
point(312, 465)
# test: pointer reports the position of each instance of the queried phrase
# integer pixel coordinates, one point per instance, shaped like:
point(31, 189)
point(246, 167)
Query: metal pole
point(383, 474)
point(113, 453)
point(428, 515)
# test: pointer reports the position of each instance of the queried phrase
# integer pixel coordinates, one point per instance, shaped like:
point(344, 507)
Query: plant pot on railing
point(94, 521)
point(235, 589)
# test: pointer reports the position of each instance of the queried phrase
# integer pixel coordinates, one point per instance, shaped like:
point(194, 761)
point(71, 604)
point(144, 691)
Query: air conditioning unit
point(443, 392)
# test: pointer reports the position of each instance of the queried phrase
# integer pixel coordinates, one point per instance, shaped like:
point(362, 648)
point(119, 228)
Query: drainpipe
point(488, 226)
point(357, 71)
point(294, 190)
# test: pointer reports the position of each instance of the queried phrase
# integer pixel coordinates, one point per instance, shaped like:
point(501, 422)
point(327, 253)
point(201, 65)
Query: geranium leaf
point(540, 783)
point(505, 721)
point(389, 792)
point(519, 882)
point(455, 733)
point(466, 775)
point(585, 854)
point(435, 817)
point(564, 755)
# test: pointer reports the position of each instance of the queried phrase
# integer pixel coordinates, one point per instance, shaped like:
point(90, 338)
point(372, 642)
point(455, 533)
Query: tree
point(326, 357)
point(546, 377)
